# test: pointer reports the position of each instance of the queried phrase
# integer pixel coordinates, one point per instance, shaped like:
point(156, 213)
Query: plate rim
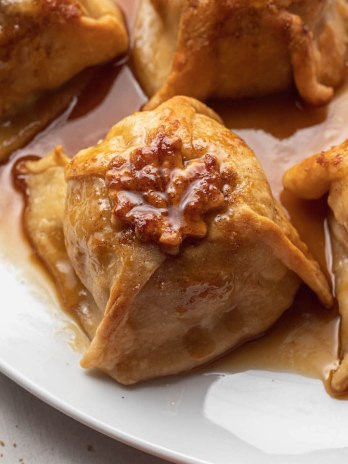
point(74, 413)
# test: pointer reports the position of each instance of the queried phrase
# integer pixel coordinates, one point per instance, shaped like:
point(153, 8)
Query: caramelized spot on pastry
point(67, 9)
point(326, 163)
point(198, 342)
point(162, 196)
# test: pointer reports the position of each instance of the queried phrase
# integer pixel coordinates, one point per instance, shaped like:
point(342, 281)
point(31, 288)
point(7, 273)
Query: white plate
point(245, 418)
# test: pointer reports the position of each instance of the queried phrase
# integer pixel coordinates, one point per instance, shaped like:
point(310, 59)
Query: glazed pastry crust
point(44, 43)
point(327, 172)
point(232, 49)
point(166, 314)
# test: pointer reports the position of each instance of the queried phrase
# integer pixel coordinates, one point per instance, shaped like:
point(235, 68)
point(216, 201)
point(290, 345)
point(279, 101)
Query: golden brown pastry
point(44, 43)
point(171, 227)
point(311, 179)
point(234, 49)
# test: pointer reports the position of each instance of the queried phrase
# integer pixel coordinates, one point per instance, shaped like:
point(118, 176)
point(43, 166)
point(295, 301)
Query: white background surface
point(43, 435)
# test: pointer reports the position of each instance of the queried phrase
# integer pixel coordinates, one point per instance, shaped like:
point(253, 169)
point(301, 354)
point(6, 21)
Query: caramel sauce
point(304, 340)
point(280, 130)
